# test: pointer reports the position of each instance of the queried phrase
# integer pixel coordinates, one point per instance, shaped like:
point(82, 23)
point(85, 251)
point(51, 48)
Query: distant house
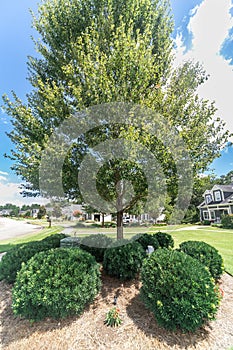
point(217, 202)
point(5, 212)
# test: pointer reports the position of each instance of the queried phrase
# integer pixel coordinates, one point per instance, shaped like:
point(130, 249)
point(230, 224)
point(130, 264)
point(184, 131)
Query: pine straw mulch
point(139, 330)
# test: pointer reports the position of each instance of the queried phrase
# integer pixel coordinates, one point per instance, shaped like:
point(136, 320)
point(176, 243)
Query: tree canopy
point(93, 52)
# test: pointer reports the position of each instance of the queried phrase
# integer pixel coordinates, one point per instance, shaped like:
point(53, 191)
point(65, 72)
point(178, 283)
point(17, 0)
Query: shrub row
point(11, 262)
point(177, 285)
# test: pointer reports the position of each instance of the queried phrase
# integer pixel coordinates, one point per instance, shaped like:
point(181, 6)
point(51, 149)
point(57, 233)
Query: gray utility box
point(69, 242)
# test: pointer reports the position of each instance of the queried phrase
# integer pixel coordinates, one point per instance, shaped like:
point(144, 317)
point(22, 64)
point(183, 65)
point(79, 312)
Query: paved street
point(10, 228)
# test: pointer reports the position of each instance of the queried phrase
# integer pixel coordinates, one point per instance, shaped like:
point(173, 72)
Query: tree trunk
point(120, 211)
point(120, 224)
point(102, 219)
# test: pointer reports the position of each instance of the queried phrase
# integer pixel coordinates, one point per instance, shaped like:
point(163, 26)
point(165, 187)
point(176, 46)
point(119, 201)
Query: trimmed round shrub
point(56, 283)
point(179, 290)
point(96, 244)
point(53, 241)
point(146, 239)
point(165, 240)
point(12, 260)
point(206, 254)
point(124, 259)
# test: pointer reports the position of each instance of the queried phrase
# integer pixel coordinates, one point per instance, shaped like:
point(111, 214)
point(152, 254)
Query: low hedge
point(178, 290)
point(124, 259)
point(12, 260)
point(56, 283)
point(206, 254)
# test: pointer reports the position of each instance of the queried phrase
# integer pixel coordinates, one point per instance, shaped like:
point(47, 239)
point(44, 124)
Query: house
point(217, 202)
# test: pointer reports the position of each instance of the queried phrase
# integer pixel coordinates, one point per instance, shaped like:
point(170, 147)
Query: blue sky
point(203, 31)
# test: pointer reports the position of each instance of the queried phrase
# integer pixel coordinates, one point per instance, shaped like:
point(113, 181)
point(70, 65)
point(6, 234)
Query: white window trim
point(204, 215)
point(208, 198)
point(214, 216)
point(217, 192)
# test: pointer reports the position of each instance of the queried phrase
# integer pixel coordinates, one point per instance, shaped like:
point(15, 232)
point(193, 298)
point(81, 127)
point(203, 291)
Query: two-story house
point(217, 202)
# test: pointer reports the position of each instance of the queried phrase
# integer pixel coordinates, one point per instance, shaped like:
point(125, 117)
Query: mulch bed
point(139, 329)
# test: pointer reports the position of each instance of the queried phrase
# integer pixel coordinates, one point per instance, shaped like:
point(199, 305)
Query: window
point(208, 198)
point(217, 196)
point(206, 215)
point(212, 215)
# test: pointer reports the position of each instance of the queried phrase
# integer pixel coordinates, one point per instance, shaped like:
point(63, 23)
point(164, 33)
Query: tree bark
point(120, 211)
point(102, 219)
point(120, 224)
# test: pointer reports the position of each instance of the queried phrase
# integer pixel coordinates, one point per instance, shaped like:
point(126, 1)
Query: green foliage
point(192, 215)
point(124, 259)
point(109, 51)
point(42, 212)
point(178, 290)
point(12, 260)
point(110, 224)
point(53, 241)
point(113, 317)
point(146, 239)
point(206, 222)
point(206, 254)
point(227, 221)
point(56, 283)
point(165, 240)
point(96, 245)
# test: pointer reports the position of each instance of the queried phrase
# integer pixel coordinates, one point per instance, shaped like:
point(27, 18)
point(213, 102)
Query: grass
point(6, 245)
point(221, 239)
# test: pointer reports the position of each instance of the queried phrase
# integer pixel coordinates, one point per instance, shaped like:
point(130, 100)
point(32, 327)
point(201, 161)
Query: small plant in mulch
point(113, 317)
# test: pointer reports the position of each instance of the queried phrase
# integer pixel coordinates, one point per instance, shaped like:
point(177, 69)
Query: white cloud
point(209, 27)
point(10, 193)
point(3, 172)
point(194, 10)
point(3, 178)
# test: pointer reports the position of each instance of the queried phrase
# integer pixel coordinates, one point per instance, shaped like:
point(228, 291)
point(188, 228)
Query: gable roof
point(227, 189)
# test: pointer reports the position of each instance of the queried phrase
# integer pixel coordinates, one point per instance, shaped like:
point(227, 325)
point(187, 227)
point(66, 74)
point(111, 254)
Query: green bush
point(56, 283)
point(96, 245)
point(178, 290)
point(206, 222)
point(123, 259)
point(53, 241)
point(12, 260)
point(206, 254)
point(227, 221)
point(146, 239)
point(110, 224)
point(165, 240)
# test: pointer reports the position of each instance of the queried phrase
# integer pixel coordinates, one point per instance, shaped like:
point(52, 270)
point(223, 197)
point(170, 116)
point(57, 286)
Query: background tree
point(42, 212)
point(99, 51)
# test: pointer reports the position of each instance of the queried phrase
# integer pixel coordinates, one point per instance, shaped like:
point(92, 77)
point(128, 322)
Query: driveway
point(10, 228)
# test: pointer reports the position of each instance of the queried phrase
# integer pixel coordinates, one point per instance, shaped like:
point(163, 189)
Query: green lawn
point(221, 239)
point(5, 245)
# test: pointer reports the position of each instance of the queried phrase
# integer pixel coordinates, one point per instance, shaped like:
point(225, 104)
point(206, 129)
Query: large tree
point(101, 51)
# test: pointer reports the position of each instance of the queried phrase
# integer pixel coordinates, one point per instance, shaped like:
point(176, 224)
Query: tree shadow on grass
point(145, 321)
